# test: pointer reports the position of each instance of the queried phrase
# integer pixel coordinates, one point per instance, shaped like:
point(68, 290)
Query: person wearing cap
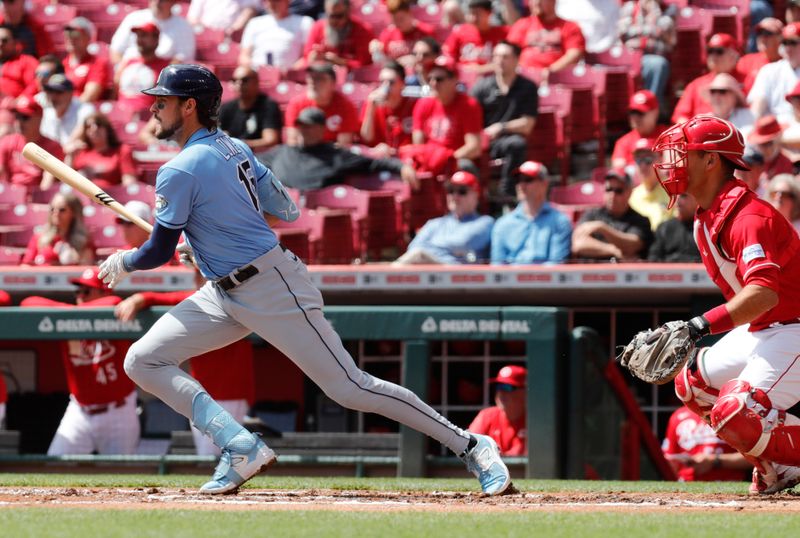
point(548, 42)
point(315, 163)
point(91, 74)
point(137, 73)
point(721, 57)
point(447, 125)
point(510, 104)
point(505, 421)
point(98, 154)
point(768, 42)
point(613, 231)
point(226, 373)
point(790, 138)
point(792, 13)
point(101, 415)
point(674, 238)
point(339, 38)
point(472, 43)
point(13, 167)
point(643, 112)
point(33, 38)
point(774, 80)
point(276, 38)
point(386, 117)
point(49, 65)
point(135, 236)
point(63, 114)
point(228, 16)
point(647, 197)
point(396, 41)
point(752, 177)
point(17, 77)
point(252, 116)
point(341, 116)
point(644, 27)
point(177, 41)
point(535, 231)
point(462, 236)
point(766, 139)
point(783, 192)
point(729, 103)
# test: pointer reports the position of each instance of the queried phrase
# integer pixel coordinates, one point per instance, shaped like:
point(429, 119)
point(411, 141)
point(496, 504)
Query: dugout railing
point(542, 329)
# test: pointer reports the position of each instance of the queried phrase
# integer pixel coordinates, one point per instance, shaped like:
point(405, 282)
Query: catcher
point(743, 384)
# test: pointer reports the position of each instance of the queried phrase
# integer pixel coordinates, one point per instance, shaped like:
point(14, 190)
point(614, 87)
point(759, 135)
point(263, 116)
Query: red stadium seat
point(26, 214)
point(549, 142)
point(588, 86)
point(19, 237)
point(296, 240)
point(284, 91)
point(429, 14)
point(144, 192)
point(12, 194)
point(55, 15)
point(589, 193)
point(11, 255)
point(108, 237)
point(107, 19)
point(330, 235)
point(356, 92)
point(374, 14)
point(224, 56)
point(368, 74)
point(98, 217)
point(268, 76)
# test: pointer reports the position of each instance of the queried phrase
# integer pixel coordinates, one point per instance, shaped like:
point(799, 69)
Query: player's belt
point(231, 281)
point(100, 409)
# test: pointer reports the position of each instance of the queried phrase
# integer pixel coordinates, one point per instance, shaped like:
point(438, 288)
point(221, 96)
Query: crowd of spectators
point(327, 90)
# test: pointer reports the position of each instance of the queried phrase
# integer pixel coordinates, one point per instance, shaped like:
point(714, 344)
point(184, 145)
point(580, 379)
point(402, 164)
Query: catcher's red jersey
point(743, 240)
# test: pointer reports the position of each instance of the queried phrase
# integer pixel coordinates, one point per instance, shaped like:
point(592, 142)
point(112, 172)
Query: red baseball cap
point(447, 63)
point(90, 279)
point(791, 30)
point(643, 101)
point(149, 27)
point(465, 179)
point(532, 169)
point(722, 41)
point(766, 129)
point(513, 375)
point(770, 24)
point(27, 107)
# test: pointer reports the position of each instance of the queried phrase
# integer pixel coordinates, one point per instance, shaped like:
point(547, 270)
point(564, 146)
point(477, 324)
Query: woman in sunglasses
point(64, 240)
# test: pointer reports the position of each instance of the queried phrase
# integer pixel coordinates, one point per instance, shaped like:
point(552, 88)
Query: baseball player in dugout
point(505, 421)
point(101, 414)
point(743, 384)
point(217, 194)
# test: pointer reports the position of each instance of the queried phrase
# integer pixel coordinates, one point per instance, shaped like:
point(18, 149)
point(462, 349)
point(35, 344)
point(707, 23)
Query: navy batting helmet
point(188, 80)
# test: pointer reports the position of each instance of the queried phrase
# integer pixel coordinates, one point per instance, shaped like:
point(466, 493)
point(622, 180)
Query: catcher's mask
point(701, 133)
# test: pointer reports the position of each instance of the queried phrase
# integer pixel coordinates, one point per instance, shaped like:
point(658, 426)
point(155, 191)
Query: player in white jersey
point(217, 194)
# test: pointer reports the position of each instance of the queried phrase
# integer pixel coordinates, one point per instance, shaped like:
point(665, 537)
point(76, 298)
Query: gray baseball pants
point(281, 305)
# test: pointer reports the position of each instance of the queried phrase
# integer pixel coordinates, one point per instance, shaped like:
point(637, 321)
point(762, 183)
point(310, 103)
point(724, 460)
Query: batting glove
point(112, 271)
point(186, 255)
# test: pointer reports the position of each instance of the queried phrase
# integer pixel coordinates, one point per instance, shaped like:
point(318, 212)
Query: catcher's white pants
point(768, 359)
point(281, 305)
point(114, 432)
point(203, 443)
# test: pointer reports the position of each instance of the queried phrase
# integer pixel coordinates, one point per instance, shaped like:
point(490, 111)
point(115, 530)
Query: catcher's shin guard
point(745, 419)
point(693, 390)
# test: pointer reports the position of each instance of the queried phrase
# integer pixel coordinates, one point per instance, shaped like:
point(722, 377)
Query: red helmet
point(701, 133)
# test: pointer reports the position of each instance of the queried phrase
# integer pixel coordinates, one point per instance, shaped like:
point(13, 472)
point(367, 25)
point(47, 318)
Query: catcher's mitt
point(656, 356)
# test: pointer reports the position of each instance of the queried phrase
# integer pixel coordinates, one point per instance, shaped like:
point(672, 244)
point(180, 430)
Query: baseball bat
point(46, 161)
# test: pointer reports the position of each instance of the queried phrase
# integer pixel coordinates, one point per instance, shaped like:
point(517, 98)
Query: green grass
point(176, 523)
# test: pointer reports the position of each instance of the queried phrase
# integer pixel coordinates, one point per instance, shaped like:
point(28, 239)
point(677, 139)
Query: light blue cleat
point(236, 468)
point(485, 463)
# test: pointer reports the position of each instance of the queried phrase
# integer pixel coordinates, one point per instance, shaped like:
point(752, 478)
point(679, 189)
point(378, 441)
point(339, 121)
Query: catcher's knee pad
point(745, 419)
point(693, 390)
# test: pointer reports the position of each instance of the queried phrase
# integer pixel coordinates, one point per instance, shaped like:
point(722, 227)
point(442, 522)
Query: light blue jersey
point(211, 190)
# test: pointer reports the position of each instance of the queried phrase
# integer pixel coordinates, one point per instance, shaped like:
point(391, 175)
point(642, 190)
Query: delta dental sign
point(98, 325)
point(463, 326)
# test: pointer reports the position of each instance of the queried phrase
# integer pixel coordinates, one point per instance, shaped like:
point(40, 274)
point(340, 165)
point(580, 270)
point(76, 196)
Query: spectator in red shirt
point(643, 114)
point(472, 43)
point(64, 240)
point(341, 115)
point(14, 168)
point(768, 42)
point(548, 42)
point(98, 154)
point(696, 453)
point(135, 74)
point(339, 39)
point(17, 71)
point(505, 422)
point(766, 140)
point(447, 125)
point(721, 57)
point(90, 74)
point(29, 32)
point(386, 119)
point(397, 40)
point(101, 415)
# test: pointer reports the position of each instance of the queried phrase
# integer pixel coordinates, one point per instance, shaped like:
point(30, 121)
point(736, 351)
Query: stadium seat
point(268, 76)
point(296, 240)
point(98, 217)
point(373, 14)
point(108, 237)
point(430, 14)
point(12, 194)
point(107, 19)
point(26, 214)
point(10, 255)
point(144, 192)
point(284, 91)
point(589, 193)
point(224, 56)
point(368, 74)
point(19, 237)
point(330, 235)
point(588, 85)
point(356, 92)
point(54, 15)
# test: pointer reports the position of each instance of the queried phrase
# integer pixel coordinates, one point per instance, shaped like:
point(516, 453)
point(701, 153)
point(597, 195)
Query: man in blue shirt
point(461, 236)
point(534, 232)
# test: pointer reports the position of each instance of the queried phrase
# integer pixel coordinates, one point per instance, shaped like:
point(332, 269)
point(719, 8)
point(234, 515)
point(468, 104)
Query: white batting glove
point(186, 255)
point(112, 271)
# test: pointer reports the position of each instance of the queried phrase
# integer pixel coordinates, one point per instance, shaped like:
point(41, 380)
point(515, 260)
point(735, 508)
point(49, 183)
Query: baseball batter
point(217, 194)
point(743, 384)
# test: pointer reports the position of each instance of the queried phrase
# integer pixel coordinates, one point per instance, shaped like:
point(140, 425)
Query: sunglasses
point(637, 113)
point(5, 40)
point(440, 78)
point(615, 190)
point(719, 92)
point(528, 179)
point(648, 159)
point(779, 195)
point(83, 290)
point(789, 42)
point(765, 33)
point(460, 191)
point(388, 81)
point(58, 209)
point(505, 387)
point(337, 16)
point(241, 80)
point(715, 51)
